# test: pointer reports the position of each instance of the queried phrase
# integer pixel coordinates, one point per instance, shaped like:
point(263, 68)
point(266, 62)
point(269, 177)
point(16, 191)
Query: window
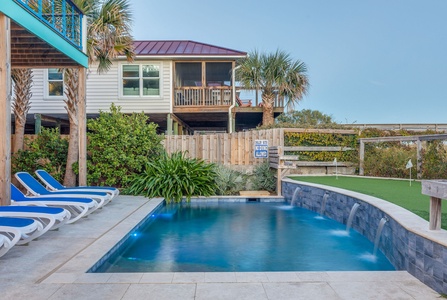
point(141, 80)
point(55, 83)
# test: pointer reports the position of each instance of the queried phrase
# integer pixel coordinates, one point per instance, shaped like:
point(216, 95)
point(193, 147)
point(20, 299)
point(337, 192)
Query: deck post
point(169, 125)
point(419, 159)
point(37, 123)
point(5, 110)
point(362, 158)
point(435, 213)
point(82, 121)
point(175, 127)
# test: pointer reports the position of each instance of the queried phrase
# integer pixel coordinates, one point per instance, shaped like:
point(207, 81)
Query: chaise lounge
point(53, 185)
point(35, 188)
point(20, 231)
point(78, 207)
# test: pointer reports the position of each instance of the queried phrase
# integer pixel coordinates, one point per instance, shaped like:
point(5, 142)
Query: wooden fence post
point(5, 110)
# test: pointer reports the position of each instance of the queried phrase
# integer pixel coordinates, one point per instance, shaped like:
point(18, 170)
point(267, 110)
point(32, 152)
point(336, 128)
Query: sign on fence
point(261, 148)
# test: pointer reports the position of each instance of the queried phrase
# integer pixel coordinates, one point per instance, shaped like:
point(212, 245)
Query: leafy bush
point(174, 177)
point(323, 139)
point(119, 145)
point(434, 158)
point(228, 181)
point(390, 162)
point(48, 151)
point(263, 178)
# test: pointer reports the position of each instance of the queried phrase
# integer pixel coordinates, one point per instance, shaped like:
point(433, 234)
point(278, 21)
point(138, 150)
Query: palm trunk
point(23, 80)
point(267, 109)
point(71, 87)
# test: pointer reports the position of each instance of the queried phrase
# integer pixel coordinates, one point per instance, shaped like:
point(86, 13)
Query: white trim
point(123, 97)
point(171, 90)
point(46, 91)
point(198, 57)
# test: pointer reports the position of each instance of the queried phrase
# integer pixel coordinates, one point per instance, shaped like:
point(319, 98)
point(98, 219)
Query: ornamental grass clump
point(173, 177)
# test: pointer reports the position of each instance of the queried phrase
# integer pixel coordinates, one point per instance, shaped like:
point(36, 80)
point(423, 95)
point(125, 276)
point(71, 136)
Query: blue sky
point(369, 61)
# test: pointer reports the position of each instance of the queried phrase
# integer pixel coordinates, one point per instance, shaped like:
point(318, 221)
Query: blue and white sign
point(261, 148)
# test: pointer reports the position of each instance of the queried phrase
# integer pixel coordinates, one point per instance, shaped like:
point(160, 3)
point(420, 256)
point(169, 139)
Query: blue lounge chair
point(53, 185)
point(35, 188)
point(50, 217)
point(20, 231)
point(78, 207)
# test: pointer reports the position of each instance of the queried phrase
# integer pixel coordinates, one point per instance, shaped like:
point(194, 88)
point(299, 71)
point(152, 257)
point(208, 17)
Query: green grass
point(398, 192)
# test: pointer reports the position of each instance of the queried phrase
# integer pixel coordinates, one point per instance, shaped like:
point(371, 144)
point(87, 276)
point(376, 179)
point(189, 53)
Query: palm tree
point(275, 74)
point(108, 35)
point(23, 80)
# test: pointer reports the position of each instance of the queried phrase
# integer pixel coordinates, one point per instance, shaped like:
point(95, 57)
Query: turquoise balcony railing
point(63, 16)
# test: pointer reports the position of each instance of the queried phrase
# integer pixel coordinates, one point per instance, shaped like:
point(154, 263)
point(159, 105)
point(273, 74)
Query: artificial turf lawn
point(398, 192)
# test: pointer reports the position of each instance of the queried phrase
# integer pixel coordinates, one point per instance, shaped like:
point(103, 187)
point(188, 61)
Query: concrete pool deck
point(54, 267)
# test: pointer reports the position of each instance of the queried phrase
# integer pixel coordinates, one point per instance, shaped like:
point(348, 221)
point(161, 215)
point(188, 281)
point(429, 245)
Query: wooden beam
point(169, 125)
point(329, 131)
point(318, 148)
point(362, 158)
point(419, 159)
point(82, 121)
point(428, 137)
point(435, 213)
point(5, 111)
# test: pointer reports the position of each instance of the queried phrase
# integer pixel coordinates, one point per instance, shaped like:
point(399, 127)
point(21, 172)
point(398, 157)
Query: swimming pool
point(240, 237)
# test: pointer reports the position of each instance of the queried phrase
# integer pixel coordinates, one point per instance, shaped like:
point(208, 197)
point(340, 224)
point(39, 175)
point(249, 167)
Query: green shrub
point(263, 178)
point(228, 181)
point(48, 151)
point(323, 139)
point(119, 145)
point(173, 177)
point(390, 162)
point(434, 158)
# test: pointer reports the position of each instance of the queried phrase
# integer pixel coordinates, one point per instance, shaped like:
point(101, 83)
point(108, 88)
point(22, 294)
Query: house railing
point(198, 96)
point(63, 16)
point(212, 96)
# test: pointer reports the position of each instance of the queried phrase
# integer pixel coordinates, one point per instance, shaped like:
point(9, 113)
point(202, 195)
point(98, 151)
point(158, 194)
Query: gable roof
point(182, 48)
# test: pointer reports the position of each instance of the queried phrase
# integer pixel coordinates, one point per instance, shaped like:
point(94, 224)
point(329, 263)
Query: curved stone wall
point(405, 239)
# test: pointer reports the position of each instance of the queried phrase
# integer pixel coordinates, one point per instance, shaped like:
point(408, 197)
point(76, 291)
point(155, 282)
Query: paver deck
point(54, 267)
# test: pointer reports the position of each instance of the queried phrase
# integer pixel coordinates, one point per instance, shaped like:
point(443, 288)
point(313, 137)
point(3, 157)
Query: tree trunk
point(267, 109)
point(23, 80)
point(71, 87)
point(72, 156)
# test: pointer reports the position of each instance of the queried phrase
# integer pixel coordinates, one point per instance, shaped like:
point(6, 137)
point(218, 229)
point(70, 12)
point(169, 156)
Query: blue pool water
point(240, 237)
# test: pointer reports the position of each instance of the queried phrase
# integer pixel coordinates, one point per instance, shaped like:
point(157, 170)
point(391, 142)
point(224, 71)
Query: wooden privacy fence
point(224, 148)
point(234, 148)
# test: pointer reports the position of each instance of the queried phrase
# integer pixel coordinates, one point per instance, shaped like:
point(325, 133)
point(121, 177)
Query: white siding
point(103, 90)
point(40, 103)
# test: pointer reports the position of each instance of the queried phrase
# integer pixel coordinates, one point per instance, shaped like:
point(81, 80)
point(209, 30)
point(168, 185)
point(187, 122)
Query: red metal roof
point(181, 48)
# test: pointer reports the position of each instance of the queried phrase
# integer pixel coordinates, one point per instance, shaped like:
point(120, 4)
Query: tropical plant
point(108, 35)
point(263, 178)
point(275, 74)
point(228, 181)
point(23, 81)
point(119, 146)
point(173, 177)
point(48, 151)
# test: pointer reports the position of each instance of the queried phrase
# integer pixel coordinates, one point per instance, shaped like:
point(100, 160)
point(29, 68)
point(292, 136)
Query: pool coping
point(55, 270)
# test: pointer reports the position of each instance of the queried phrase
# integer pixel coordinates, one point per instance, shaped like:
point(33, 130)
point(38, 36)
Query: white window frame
point(141, 96)
point(47, 95)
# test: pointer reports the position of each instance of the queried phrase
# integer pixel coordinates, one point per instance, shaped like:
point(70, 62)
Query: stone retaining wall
point(405, 241)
